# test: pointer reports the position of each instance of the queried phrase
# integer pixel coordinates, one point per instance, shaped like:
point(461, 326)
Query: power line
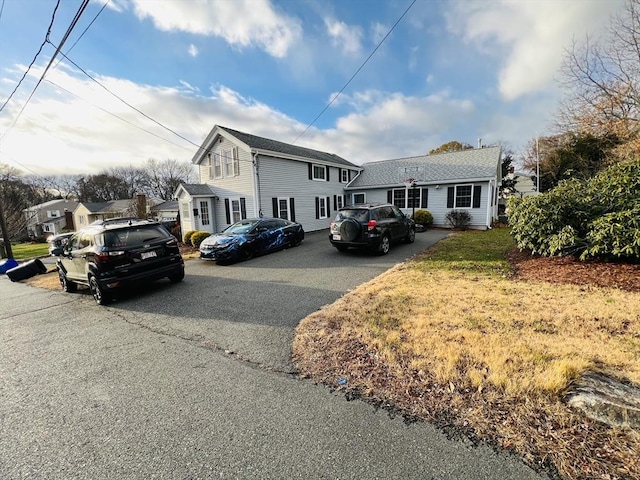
point(46, 38)
point(356, 73)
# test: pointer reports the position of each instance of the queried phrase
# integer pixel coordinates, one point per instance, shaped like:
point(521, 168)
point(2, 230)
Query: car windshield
point(133, 236)
point(358, 214)
point(241, 227)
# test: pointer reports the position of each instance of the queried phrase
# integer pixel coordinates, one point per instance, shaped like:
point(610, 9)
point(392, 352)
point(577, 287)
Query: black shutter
point(327, 169)
point(310, 171)
point(389, 196)
point(317, 208)
point(243, 208)
point(292, 206)
point(227, 211)
point(335, 202)
point(425, 198)
point(340, 175)
point(274, 202)
point(328, 206)
point(451, 192)
point(476, 196)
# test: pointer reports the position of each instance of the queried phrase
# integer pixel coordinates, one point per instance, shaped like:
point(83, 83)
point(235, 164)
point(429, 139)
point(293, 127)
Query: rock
point(605, 399)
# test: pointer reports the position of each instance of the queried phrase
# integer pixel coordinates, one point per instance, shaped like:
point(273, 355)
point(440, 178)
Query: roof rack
point(115, 220)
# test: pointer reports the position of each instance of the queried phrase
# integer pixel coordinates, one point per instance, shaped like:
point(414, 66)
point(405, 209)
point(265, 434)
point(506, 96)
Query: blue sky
point(449, 70)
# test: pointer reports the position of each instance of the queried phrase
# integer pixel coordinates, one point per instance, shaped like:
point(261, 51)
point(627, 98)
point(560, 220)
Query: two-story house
point(48, 218)
point(244, 176)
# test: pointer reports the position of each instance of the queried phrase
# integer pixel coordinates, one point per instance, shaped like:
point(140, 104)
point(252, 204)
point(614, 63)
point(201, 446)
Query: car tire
point(245, 253)
point(177, 277)
point(349, 230)
point(99, 296)
point(411, 236)
point(384, 245)
point(342, 248)
point(67, 285)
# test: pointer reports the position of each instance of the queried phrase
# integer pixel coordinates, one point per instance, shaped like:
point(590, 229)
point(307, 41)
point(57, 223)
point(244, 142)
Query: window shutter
point(425, 198)
point(476, 196)
point(227, 211)
point(328, 206)
point(292, 206)
point(326, 169)
point(274, 203)
point(389, 196)
point(335, 202)
point(340, 175)
point(243, 208)
point(317, 208)
point(451, 191)
point(310, 171)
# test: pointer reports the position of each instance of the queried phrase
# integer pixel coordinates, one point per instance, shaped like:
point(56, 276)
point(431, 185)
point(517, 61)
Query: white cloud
point(531, 37)
point(193, 50)
point(346, 37)
point(242, 23)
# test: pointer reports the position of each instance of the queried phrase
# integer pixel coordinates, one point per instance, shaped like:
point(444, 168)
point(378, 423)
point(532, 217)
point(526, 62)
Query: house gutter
point(257, 193)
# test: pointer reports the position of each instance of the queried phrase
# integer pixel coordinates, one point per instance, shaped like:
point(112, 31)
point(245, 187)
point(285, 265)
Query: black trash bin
point(26, 270)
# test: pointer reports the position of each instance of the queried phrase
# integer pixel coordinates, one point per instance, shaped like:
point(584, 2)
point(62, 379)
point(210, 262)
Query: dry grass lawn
point(451, 337)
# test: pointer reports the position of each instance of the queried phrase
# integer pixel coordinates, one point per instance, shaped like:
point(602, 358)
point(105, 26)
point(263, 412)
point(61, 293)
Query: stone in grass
point(605, 399)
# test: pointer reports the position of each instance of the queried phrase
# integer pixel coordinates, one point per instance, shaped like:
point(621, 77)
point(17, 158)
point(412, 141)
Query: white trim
point(455, 196)
point(313, 172)
point(286, 199)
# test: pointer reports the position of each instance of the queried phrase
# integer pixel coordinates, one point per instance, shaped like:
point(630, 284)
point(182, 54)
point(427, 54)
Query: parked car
point(372, 226)
point(57, 243)
point(248, 238)
point(113, 254)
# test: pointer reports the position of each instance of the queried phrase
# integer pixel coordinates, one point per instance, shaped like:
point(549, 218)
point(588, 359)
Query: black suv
point(373, 226)
point(111, 254)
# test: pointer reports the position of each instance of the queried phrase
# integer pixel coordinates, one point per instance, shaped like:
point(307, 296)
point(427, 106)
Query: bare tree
point(602, 79)
point(164, 176)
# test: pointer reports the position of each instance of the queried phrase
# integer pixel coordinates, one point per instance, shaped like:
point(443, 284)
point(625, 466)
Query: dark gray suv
point(373, 226)
point(113, 254)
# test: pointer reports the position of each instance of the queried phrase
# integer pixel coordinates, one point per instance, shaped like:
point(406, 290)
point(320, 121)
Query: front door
point(205, 215)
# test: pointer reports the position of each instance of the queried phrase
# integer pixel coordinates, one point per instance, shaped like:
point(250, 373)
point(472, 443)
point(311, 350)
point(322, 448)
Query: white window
point(284, 210)
point(47, 227)
point(53, 213)
point(210, 166)
point(236, 162)
point(463, 196)
point(339, 202)
point(227, 160)
point(413, 197)
point(185, 210)
point(236, 213)
point(217, 168)
point(345, 176)
point(322, 207)
point(319, 172)
point(399, 198)
point(82, 219)
point(359, 198)
point(204, 212)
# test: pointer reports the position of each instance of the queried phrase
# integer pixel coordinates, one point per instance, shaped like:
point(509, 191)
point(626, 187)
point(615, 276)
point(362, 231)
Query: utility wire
point(53, 16)
point(356, 73)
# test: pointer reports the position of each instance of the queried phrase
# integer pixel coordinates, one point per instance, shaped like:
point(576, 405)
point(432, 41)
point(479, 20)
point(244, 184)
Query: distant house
point(464, 180)
point(49, 218)
point(243, 176)
point(89, 212)
point(165, 211)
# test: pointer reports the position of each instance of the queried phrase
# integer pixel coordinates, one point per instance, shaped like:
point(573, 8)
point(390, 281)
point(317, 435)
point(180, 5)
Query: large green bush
point(198, 237)
point(423, 217)
point(594, 218)
point(187, 236)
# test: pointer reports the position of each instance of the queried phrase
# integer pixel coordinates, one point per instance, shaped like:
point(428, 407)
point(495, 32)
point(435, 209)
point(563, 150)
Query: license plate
point(337, 237)
point(145, 255)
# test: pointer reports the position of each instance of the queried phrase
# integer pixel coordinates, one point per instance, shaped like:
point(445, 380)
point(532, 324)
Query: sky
point(368, 80)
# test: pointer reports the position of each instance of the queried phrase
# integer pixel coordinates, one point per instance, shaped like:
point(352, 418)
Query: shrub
point(423, 217)
point(197, 238)
point(593, 218)
point(187, 236)
point(460, 219)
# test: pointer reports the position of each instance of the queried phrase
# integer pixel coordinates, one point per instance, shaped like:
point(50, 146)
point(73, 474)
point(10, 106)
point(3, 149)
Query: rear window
point(358, 214)
point(134, 236)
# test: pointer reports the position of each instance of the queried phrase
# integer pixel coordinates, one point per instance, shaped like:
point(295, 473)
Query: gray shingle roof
point(105, 207)
point(197, 189)
point(261, 143)
point(443, 167)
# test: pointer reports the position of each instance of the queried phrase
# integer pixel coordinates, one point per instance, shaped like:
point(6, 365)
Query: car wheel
point(99, 296)
point(177, 277)
point(67, 285)
point(411, 236)
point(246, 253)
point(342, 248)
point(385, 244)
point(349, 230)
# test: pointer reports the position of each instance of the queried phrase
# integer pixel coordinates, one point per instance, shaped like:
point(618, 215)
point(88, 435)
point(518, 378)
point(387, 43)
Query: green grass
point(23, 251)
point(481, 252)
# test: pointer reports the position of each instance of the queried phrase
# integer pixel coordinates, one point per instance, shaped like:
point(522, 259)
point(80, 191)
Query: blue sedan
point(248, 238)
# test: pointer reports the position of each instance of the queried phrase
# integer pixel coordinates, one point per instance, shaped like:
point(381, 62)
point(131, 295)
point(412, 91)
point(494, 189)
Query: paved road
point(144, 388)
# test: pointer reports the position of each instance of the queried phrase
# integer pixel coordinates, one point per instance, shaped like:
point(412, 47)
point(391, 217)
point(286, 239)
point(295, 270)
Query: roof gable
point(472, 164)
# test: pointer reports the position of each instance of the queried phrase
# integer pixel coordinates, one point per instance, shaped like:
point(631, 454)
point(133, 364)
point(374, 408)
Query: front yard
point(464, 338)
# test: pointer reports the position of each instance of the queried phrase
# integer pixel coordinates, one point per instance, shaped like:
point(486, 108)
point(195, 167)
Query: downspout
point(490, 206)
point(257, 193)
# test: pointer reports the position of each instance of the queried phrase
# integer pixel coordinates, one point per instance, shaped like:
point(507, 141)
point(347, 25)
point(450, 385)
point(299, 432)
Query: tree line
point(157, 179)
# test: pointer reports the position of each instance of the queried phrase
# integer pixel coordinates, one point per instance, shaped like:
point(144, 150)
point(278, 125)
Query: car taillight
point(172, 243)
point(106, 256)
point(371, 225)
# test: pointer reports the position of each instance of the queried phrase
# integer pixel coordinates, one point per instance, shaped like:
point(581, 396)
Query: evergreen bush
point(197, 238)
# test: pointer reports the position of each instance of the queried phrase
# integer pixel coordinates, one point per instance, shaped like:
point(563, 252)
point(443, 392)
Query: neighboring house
point(48, 218)
point(89, 212)
point(165, 211)
point(525, 187)
point(244, 176)
point(465, 180)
